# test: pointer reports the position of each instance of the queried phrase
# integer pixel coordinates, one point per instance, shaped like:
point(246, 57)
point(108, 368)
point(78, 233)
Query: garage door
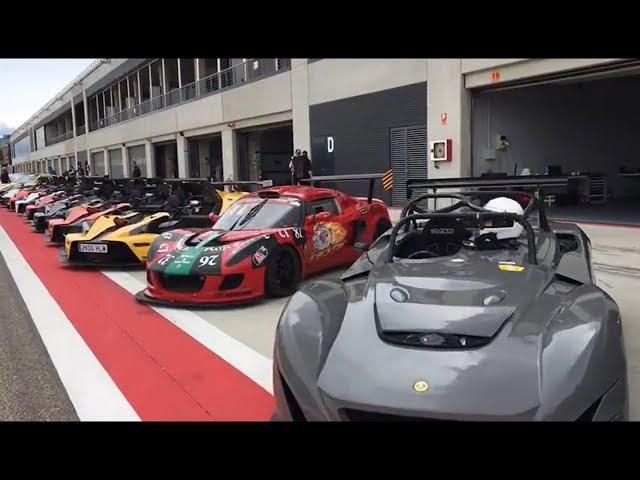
point(97, 160)
point(586, 128)
point(408, 159)
point(137, 154)
point(116, 169)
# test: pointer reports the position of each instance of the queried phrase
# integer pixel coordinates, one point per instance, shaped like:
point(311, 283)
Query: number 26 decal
point(208, 260)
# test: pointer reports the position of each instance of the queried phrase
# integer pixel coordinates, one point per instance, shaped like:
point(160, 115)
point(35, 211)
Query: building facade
point(5, 150)
point(242, 118)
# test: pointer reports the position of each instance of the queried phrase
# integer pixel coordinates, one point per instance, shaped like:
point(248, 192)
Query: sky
point(27, 84)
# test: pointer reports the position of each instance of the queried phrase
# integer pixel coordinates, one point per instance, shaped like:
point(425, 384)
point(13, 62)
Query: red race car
point(264, 245)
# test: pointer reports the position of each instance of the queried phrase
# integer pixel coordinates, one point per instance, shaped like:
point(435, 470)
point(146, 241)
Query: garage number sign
point(330, 144)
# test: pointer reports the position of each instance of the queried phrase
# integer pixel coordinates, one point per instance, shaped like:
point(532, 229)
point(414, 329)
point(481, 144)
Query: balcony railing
point(236, 75)
point(81, 130)
point(60, 138)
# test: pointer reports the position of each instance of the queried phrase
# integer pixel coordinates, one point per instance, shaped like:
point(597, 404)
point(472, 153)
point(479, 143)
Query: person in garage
point(4, 177)
point(136, 170)
point(300, 166)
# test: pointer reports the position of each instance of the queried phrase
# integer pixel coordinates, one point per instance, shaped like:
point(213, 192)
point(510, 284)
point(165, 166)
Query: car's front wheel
point(283, 272)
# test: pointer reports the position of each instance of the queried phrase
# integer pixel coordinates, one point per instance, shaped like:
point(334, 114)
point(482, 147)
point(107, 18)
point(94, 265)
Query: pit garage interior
point(205, 157)
point(585, 124)
point(264, 153)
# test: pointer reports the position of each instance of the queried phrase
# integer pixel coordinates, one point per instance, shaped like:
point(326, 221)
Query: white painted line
point(251, 363)
point(94, 394)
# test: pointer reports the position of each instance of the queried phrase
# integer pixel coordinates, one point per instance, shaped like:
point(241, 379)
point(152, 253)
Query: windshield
point(258, 213)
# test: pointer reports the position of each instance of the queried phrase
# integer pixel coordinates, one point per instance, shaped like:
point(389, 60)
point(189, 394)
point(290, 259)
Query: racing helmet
point(507, 205)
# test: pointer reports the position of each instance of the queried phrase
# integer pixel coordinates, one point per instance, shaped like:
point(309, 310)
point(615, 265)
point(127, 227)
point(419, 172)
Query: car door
point(328, 237)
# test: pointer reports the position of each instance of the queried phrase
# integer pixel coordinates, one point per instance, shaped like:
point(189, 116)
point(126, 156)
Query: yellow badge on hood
point(508, 267)
point(421, 386)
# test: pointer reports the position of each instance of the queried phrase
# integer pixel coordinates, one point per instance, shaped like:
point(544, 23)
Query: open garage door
point(583, 125)
point(265, 152)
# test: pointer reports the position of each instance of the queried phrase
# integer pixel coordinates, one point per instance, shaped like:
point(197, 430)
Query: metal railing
point(236, 75)
point(81, 130)
point(60, 138)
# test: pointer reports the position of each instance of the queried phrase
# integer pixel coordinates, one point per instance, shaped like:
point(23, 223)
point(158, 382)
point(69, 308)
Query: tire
point(283, 273)
point(382, 226)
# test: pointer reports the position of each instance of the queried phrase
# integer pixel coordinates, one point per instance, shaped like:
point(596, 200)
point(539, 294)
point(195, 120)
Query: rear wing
point(372, 177)
point(527, 182)
point(260, 183)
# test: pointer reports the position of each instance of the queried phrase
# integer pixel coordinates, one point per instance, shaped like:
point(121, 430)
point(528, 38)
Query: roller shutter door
point(408, 159)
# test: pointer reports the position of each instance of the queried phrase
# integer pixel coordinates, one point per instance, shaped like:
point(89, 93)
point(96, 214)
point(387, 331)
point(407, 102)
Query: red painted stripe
point(164, 373)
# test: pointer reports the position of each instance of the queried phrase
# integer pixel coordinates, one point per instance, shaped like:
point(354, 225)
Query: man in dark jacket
point(136, 170)
point(300, 166)
point(4, 177)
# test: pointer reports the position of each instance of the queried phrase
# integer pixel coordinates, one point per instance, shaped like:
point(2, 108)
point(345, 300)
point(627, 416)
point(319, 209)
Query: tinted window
point(324, 205)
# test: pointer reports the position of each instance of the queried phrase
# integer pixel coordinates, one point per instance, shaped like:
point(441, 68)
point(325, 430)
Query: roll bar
point(480, 216)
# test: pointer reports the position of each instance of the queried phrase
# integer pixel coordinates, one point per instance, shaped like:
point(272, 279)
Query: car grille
point(182, 283)
point(365, 416)
point(232, 281)
point(119, 254)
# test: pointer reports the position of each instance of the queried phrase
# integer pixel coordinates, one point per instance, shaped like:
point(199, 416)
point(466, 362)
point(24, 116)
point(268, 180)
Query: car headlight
point(86, 226)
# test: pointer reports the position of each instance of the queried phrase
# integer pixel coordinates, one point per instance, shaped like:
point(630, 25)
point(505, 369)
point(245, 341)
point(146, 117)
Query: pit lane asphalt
point(30, 389)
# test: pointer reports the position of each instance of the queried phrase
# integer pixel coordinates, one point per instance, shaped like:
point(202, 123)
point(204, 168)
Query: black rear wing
point(260, 183)
point(527, 182)
point(372, 177)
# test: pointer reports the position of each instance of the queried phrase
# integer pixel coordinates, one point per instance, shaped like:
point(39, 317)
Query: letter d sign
point(329, 144)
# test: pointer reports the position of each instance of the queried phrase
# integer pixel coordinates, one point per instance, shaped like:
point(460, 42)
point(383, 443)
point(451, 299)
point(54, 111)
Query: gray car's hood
point(453, 295)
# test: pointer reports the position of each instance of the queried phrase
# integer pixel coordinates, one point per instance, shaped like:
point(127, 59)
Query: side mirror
point(214, 218)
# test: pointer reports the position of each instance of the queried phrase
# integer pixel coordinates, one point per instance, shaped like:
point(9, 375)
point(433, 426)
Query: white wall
point(333, 79)
point(478, 72)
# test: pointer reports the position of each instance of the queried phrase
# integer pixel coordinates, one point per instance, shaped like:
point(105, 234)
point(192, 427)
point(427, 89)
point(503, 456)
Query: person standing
point(136, 170)
point(294, 166)
point(300, 166)
point(4, 177)
point(306, 165)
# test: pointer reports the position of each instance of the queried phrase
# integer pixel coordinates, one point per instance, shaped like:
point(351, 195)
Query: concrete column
point(300, 104)
point(85, 109)
point(107, 166)
point(229, 152)
point(75, 133)
point(448, 98)
point(149, 158)
point(182, 147)
point(197, 69)
point(125, 162)
point(73, 118)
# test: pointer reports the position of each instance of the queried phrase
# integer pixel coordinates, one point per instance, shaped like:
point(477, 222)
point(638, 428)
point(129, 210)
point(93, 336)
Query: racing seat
point(439, 237)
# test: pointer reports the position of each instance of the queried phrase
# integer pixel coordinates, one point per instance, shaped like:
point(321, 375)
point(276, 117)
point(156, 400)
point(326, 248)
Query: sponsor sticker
point(260, 256)
point(442, 231)
point(508, 267)
point(166, 236)
point(327, 235)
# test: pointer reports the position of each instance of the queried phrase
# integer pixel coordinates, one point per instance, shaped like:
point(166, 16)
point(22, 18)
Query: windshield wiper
point(249, 215)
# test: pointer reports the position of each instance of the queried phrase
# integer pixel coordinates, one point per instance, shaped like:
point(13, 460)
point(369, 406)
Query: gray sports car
point(481, 310)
